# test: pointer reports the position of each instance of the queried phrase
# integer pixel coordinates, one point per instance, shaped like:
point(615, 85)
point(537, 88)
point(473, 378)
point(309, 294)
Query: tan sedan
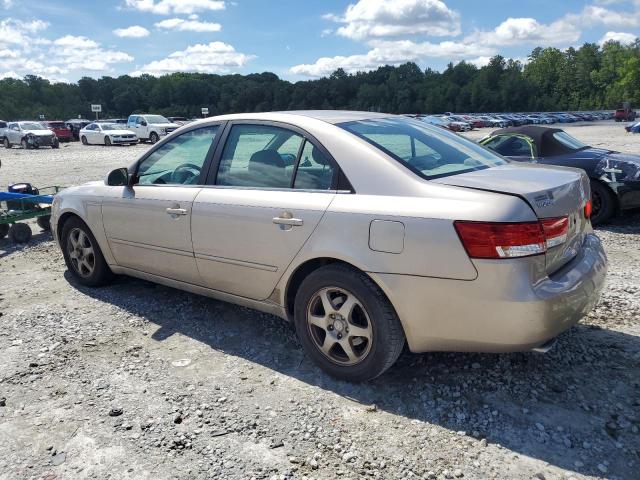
point(367, 231)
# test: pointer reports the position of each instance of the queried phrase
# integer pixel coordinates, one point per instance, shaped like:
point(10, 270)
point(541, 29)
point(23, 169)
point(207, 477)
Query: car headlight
point(163, 131)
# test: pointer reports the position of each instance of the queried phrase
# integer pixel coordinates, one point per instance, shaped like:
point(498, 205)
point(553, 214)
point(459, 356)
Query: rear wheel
point(4, 229)
point(84, 140)
point(82, 254)
point(346, 324)
point(44, 222)
point(153, 138)
point(603, 203)
point(20, 233)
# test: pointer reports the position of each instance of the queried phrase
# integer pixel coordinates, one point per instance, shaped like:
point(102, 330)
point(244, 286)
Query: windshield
point(111, 126)
point(32, 126)
point(56, 124)
point(568, 141)
point(430, 152)
point(156, 119)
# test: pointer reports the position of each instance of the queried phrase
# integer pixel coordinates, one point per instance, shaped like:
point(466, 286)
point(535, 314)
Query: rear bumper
point(503, 310)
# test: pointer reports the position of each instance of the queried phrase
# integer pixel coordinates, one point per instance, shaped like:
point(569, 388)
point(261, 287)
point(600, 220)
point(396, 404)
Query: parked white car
point(107, 134)
point(29, 135)
point(150, 127)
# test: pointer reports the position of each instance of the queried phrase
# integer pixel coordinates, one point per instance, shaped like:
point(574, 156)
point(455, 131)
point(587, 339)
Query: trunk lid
point(550, 192)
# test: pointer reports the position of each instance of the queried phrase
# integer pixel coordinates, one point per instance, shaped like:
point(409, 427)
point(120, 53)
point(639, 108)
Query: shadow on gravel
point(627, 222)
point(561, 407)
point(7, 247)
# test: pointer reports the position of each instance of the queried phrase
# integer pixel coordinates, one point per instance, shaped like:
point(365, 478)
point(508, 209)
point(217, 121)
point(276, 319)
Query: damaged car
point(614, 176)
point(29, 135)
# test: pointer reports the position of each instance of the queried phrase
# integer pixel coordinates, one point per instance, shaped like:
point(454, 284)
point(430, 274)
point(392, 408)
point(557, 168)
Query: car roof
point(328, 116)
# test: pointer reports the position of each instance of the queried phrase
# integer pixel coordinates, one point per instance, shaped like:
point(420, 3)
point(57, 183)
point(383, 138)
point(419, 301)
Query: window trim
point(212, 175)
point(133, 171)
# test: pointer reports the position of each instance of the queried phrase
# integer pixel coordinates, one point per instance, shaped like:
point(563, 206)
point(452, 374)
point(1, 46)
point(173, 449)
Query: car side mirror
point(118, 177)
point(144, 124)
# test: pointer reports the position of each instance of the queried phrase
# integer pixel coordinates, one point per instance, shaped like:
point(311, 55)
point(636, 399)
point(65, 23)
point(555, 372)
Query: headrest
point(319, 157)
point(269, 158)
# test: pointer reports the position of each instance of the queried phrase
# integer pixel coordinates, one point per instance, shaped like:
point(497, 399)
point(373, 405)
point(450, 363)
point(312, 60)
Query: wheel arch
point(307, 267)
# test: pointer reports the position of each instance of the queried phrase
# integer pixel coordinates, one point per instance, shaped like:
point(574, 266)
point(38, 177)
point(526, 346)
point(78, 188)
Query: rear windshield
point(429, 151)
point(569, 141)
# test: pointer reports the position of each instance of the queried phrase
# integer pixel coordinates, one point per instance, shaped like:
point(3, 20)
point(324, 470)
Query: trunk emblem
point(545, 200)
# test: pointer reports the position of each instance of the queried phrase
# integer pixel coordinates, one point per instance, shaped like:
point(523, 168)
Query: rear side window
point(315, 170)
point(510, 146)
point(259, 156)
point(428, 151)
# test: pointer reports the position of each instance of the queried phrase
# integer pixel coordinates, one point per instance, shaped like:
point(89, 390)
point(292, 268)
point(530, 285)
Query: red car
point(60, 129)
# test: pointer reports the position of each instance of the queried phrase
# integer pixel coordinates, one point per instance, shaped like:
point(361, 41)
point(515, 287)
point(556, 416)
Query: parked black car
point(615, 176)
point(76, 124)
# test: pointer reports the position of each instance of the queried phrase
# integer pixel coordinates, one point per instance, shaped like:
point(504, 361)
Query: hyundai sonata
point(366, 230)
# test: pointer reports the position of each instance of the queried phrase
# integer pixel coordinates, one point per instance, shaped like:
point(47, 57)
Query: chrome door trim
point(152, 247)
point(240, 263)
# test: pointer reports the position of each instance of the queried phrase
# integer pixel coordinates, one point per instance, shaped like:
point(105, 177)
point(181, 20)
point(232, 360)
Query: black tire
point(24, 144)
point(20, 233)
point(107, 141)
point(84, 140)
point(55, 144)
point(6, 143)
point(603, 203)
point(153, 138)
point(388, 335)
point(101, 273)
point(44, 222)
point(4, 229)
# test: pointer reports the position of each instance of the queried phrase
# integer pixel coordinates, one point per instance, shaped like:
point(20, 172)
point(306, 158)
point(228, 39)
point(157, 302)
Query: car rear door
point(148, 223)
point(269, 187)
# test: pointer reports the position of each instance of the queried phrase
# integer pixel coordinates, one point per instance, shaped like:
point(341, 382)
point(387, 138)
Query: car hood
point(39, 133)
point(119, 132)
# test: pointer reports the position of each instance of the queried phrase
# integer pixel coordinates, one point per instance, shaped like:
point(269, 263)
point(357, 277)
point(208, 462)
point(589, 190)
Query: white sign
point(96, 108)
point(41, 117)
point(205, 111)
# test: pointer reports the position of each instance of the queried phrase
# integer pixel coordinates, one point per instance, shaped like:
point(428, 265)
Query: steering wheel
point(185, 173)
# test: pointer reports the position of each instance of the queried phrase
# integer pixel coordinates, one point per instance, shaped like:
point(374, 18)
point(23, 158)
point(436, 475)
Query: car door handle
point(286, 220)
point(177, 211)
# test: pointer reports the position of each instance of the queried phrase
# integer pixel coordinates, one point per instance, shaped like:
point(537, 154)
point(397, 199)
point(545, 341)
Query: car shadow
point(8, 247)
point(545, 406)
point(627, 222)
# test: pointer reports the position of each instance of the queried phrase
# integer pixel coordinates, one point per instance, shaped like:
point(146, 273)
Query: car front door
point(13, 133)
point(148, 224)
point(270, 189)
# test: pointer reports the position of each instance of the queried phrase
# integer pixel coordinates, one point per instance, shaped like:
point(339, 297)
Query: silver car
point(367, 231)
point(29, 135)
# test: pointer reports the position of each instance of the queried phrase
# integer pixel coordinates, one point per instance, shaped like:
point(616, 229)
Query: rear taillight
point(510, 240)
point(555, 230)
point(588, 208)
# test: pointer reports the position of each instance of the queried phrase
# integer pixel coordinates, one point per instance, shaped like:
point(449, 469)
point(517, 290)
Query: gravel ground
point(137, 381)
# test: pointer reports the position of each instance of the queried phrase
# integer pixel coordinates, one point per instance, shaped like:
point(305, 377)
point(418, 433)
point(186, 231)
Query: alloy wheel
point(339, 325)
point(81, 252)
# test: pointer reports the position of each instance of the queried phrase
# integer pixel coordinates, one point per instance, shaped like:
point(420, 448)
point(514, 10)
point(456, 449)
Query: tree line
point(590, 77)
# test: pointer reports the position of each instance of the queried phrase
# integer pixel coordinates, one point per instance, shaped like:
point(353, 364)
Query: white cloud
point(7, 3)
point(596, 15)
point(166, 7)
point(391, 18)
point(390, 53)
point(82, 53)
point(135, 31)
point(514, 31)
point(182, 25)
point(622, 37)
point(17, 31)
point(9, 74)
point(481, 61)
point(215, 57)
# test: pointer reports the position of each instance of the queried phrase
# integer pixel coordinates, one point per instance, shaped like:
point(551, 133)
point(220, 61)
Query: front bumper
point(124, 140)
point(503, 309)
point(40, 141)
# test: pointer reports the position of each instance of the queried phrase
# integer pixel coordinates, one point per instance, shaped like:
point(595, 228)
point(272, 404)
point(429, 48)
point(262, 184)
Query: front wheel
point(107, 141)
point(603, 203)
point(6, 142)
point(346, 324)
point(82, 254)
point(24, 144)
point(153, 138)
point(55, 144)
point(84, 140)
